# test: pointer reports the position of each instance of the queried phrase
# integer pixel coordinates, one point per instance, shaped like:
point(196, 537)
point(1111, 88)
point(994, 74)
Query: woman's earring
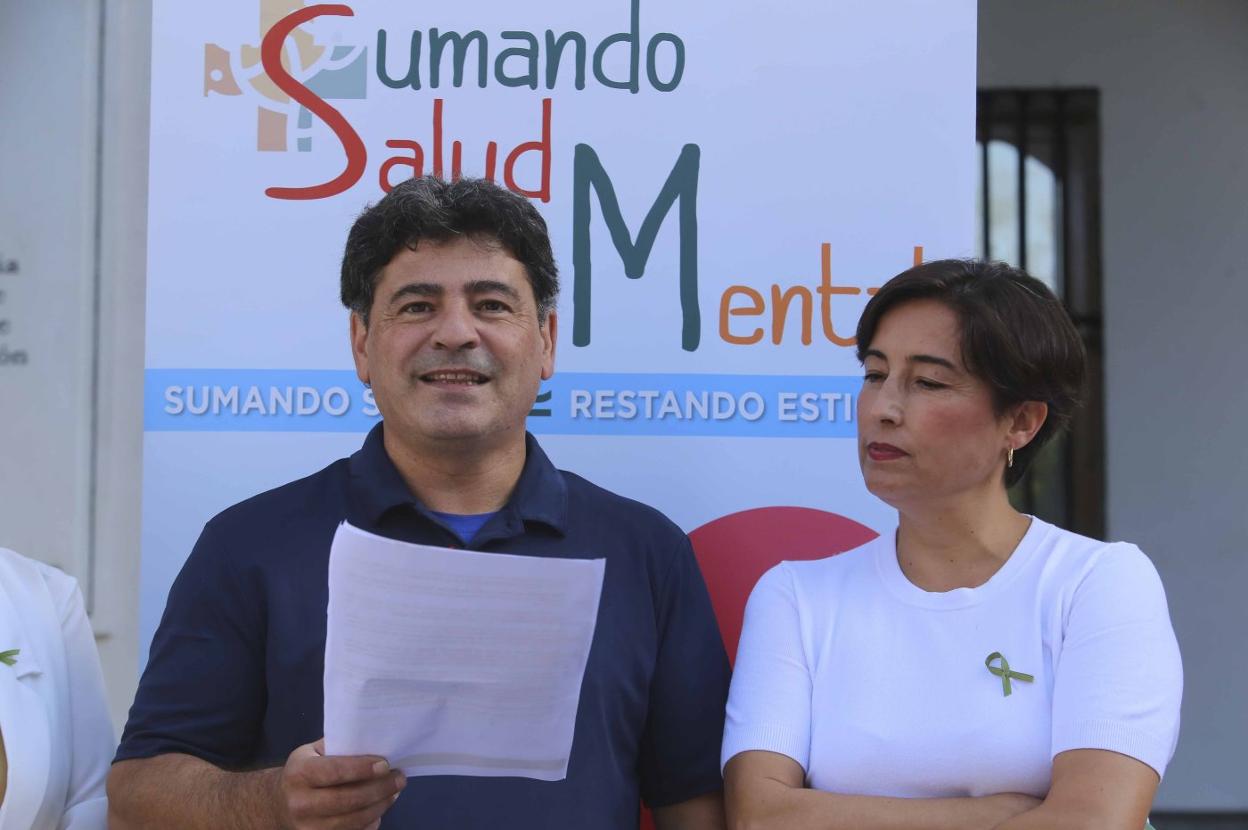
point(1009, 457)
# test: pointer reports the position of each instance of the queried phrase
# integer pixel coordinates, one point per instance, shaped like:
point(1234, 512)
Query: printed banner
point(725, 186)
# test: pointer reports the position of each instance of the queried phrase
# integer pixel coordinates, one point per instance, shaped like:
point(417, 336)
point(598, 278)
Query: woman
point(56, 739)
point(981, 668)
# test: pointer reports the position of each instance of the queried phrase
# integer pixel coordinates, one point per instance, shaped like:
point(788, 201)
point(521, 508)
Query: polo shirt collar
point(540, 494)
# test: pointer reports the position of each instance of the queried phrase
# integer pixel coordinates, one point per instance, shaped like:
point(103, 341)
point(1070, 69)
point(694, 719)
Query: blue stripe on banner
point(572, 403)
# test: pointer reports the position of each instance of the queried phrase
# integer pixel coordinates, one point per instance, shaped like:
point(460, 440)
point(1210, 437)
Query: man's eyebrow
point(491, 287)
point(418, 289)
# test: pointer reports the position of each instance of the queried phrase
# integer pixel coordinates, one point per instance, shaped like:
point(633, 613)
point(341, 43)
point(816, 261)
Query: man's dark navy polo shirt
point(236, 669)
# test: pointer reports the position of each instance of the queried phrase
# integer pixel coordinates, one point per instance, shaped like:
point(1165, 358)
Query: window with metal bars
point(1038, 202)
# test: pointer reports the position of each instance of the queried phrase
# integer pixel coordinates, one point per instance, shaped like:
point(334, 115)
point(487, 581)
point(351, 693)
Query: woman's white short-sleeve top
point(877, 687)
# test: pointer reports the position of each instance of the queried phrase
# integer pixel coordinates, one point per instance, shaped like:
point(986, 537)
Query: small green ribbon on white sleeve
point(9, 657)
point(1003, 671)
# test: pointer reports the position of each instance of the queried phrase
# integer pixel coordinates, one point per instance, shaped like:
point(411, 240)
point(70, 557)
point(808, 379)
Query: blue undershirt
point(464, 526)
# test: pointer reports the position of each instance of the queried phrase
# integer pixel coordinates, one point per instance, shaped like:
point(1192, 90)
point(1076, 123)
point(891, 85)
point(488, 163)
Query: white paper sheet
point(452, 662)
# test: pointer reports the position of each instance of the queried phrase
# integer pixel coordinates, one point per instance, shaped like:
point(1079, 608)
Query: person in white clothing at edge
point(56, 739)
point(981, 668)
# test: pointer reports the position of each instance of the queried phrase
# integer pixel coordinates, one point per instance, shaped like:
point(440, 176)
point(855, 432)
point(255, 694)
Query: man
point(452, 291)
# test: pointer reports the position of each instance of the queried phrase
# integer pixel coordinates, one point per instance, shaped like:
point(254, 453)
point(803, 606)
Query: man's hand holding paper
point(344, 792)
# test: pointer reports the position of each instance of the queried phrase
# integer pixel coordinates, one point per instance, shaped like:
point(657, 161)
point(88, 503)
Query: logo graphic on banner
point(331, 72)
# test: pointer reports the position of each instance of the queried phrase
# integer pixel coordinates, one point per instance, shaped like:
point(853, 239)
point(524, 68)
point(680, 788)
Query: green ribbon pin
point(1003, 672)
point(9, 657)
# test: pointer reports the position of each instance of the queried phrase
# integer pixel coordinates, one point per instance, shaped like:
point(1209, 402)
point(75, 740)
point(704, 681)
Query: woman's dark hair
point(1016, 336)
point(432, 209)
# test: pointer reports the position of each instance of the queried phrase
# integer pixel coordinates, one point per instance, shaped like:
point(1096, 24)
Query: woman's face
point(927, 429)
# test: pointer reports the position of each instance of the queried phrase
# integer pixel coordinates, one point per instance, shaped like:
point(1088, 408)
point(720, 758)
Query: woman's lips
point(884, 452)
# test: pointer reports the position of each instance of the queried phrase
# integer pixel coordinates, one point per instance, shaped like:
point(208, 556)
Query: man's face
point(453, 349)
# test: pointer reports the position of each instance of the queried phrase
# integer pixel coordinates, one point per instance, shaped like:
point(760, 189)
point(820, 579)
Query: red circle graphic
point(735, 550)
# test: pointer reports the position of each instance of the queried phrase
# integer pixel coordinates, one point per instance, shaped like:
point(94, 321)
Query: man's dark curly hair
point(432, 209)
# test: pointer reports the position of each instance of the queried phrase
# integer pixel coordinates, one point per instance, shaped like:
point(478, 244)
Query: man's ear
point(359, 347)
point(1025, 422)
point(549, 332)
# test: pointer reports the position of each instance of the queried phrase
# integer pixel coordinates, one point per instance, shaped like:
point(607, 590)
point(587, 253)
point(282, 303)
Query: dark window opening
point(1038, 203)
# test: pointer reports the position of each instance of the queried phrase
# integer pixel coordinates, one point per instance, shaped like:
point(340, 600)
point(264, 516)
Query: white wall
point(73, 196)
point(1174, 114)
point(47, 296)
